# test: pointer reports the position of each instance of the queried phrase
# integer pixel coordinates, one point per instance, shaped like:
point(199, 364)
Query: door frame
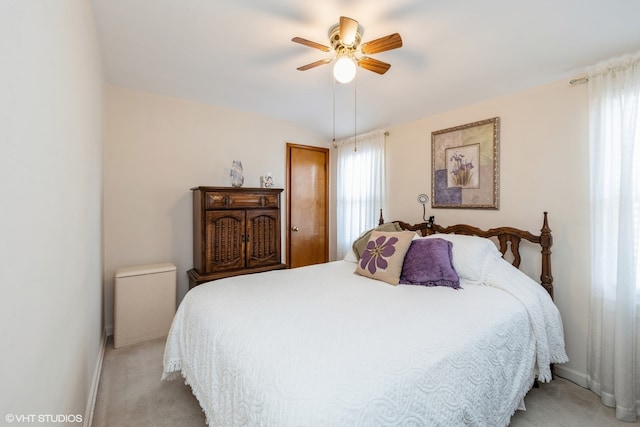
point(288, 194)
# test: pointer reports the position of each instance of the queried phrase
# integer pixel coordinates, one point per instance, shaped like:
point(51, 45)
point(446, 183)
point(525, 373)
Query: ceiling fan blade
point(374, 65)
point(314, 64)
point(348, 30)
point(392, 41)
point(311, 44)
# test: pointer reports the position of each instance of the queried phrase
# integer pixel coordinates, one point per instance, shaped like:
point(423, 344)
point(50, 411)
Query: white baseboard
point(91, 402)
point(574, 376)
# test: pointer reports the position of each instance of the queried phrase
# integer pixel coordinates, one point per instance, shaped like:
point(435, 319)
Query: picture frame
point(465, 166)
point(266, 180)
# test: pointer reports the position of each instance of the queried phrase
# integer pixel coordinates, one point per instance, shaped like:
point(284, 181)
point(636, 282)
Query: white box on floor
point(144, 303)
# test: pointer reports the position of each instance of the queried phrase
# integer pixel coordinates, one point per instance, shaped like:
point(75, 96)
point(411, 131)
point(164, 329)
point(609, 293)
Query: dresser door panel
point(224, 236)
point(263, 237)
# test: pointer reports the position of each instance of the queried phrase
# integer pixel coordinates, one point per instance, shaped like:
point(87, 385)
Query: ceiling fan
point(345, 39)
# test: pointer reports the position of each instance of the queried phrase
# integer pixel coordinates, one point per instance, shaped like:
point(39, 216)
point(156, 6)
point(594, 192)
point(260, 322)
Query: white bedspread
point(321, 346)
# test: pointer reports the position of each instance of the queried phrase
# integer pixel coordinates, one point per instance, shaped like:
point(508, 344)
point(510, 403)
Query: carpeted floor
point(132, 394)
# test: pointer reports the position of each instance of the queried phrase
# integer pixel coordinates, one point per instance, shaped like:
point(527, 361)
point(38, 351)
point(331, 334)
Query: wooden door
point(307, 205)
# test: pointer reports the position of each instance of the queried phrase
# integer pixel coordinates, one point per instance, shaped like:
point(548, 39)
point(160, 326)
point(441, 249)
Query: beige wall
point(50, 216)
point(156, 149)
point(543, 167)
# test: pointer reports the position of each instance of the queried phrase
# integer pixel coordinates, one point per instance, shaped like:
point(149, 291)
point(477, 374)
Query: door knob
point(295, 229)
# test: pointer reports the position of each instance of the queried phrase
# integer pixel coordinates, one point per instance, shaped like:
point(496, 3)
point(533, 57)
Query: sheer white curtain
point(361, 187)
point(614, 149)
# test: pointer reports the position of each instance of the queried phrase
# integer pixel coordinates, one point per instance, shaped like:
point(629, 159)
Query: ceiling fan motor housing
point(337, 44)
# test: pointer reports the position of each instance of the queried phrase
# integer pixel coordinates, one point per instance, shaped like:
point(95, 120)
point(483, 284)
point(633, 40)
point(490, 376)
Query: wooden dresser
point(235, 231)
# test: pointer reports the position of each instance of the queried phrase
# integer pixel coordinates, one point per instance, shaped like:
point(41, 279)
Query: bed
point(322, 346)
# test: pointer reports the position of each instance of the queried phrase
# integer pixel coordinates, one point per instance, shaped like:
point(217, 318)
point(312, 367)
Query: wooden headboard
point(508, 237)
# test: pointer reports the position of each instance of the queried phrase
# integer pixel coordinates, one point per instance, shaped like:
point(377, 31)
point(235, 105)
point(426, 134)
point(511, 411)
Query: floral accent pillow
point(360, 243)
point(383, 255)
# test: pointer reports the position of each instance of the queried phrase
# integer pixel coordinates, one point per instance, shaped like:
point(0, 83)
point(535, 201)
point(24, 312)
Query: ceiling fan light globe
point(344, 70)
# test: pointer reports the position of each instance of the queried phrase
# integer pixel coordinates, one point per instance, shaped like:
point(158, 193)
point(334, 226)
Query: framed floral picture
point(464, 166)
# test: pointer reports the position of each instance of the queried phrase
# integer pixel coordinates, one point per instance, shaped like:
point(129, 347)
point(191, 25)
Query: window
point(614, 155)
point(360, 187)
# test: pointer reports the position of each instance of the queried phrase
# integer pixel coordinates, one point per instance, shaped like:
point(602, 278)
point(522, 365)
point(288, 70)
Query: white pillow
point(350, 256)
point(472, 255)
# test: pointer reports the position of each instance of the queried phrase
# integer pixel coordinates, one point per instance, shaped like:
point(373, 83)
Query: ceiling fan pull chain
point(334, 113)
point(355, 114)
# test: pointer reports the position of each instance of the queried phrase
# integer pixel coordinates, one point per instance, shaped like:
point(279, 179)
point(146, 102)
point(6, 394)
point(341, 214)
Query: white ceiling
point(238, 53)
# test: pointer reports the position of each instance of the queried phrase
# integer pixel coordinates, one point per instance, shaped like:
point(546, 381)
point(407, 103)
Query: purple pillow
point(428, 263)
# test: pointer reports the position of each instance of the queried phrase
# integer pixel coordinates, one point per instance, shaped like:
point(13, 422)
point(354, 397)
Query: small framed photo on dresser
point(266, 180)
